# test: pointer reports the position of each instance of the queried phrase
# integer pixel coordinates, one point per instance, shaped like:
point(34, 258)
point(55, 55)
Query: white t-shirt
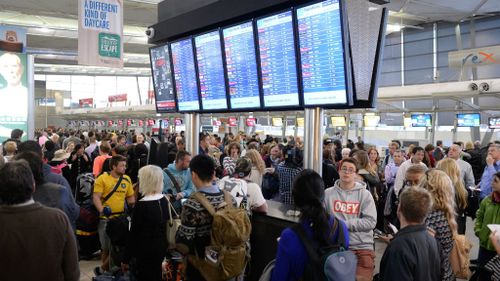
point(247, 193)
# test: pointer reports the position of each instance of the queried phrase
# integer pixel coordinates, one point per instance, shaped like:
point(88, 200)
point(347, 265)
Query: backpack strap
point(198, 196)
point(228, 198)
point(306, 241)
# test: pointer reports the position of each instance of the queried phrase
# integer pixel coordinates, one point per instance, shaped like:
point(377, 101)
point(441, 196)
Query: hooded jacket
point(356, 208)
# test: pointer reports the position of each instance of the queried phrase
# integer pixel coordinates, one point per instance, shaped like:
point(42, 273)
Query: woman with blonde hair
point(442, 218)
point(450, 167)
point(148, 241)
point(258, 166)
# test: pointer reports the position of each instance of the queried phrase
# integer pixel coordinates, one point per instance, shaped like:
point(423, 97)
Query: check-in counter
point(266, 228)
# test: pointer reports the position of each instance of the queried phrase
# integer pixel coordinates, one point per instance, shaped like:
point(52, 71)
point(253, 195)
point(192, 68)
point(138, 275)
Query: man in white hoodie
point(350, 201)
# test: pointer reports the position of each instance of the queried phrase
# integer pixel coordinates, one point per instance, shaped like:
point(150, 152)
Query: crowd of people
point(416, 199)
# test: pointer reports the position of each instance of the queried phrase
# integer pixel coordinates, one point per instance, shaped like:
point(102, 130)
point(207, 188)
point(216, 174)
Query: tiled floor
point(87, 267)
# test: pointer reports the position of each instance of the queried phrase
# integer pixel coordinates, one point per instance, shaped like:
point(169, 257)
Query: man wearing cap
point(247, 194)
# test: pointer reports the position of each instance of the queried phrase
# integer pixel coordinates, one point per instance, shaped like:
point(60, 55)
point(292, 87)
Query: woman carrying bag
point(148, 239)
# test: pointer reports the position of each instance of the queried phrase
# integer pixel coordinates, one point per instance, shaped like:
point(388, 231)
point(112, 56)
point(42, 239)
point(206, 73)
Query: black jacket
point(413, 254)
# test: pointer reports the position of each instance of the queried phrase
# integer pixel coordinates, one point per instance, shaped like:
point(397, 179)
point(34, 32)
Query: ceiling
point(52, 27)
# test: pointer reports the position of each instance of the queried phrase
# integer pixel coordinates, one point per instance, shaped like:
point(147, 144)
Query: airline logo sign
point(474, 57)
point(100, 32)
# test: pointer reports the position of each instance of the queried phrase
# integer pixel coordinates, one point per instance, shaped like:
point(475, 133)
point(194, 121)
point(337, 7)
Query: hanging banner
point(100, 32)
point(14, 94)
point(141, 122)
point(474, 57)
point(12, 39)
point(178, 121)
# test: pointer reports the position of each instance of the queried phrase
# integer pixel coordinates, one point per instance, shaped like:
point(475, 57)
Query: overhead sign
point(232, 121)
point(14, 94)
point(474, 57)
point(251, 122)
point(117, 98)
point(12, 39)
point(86, 102)
point(100, 32)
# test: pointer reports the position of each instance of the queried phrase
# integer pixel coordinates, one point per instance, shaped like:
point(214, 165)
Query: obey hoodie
point(357, 209)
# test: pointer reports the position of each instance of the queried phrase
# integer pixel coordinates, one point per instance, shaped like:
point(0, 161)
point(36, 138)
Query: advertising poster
point(14, 94)
point(100, 32)
point(12, 39)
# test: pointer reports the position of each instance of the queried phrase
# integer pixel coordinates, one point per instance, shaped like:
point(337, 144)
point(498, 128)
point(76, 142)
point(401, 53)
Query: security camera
point(150, 32)
point(473, 87)
point(484, 87)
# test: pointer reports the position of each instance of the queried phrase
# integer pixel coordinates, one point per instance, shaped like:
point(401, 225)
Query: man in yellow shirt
point(119, 186)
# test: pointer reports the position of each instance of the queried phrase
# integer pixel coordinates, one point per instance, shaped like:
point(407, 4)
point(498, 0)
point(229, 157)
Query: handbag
point(173, 224)
point(460, 257)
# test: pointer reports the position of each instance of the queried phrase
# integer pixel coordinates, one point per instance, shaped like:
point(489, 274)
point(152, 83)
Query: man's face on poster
point(11, 69)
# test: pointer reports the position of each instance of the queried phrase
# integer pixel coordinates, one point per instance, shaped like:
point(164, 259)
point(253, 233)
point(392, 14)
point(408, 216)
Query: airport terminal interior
point(349, 140)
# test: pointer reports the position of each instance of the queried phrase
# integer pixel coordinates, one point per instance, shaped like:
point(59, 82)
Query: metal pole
point(313, 131)
point(192, 132)
point(31, 97)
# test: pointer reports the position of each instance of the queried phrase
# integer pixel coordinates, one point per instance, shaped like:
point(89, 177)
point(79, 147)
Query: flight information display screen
point(322, 54)
point(277, 60)
point(162, 79)
point(186, 87)
point(210, 71)
point(241, 63)
point(468, 120)
point(421, 120)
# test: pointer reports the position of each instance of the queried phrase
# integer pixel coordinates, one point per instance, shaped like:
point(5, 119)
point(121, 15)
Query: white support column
point(192, 132)
point(313, 146)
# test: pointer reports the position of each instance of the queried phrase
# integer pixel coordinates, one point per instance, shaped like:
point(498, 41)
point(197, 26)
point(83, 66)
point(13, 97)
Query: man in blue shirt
point(492, 167)
point(179, 171)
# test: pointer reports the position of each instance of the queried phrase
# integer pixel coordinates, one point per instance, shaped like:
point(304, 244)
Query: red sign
point(232, 121)
point(216, 123)
point(151, 94)
point(151, 122)
point(141, 123)
point(117, 98)
point(120, 122)
point(251, 122)
point(129, 122)
point(178, 121)
point(110, 123)
point(86, 102)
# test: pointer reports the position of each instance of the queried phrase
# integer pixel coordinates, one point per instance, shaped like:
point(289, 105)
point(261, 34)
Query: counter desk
point(266, 228)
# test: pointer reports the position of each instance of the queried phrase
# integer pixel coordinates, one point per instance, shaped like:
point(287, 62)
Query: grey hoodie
point(357, 209)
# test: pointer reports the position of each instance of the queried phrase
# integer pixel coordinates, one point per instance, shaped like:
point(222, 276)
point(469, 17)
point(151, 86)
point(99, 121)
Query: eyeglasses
point(348, 171)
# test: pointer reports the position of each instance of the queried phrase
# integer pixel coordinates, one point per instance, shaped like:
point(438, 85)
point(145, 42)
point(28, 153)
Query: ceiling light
point(393, 27)
point(44, 29)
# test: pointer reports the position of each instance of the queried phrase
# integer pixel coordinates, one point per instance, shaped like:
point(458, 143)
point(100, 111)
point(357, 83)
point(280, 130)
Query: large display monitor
point(323, 55)
point(468, 120)
point(186, 86)
point(211, 71)
point(494, 122)
point(421, 120)
point(278, 64)
point(162, 79)
point(241, 65)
